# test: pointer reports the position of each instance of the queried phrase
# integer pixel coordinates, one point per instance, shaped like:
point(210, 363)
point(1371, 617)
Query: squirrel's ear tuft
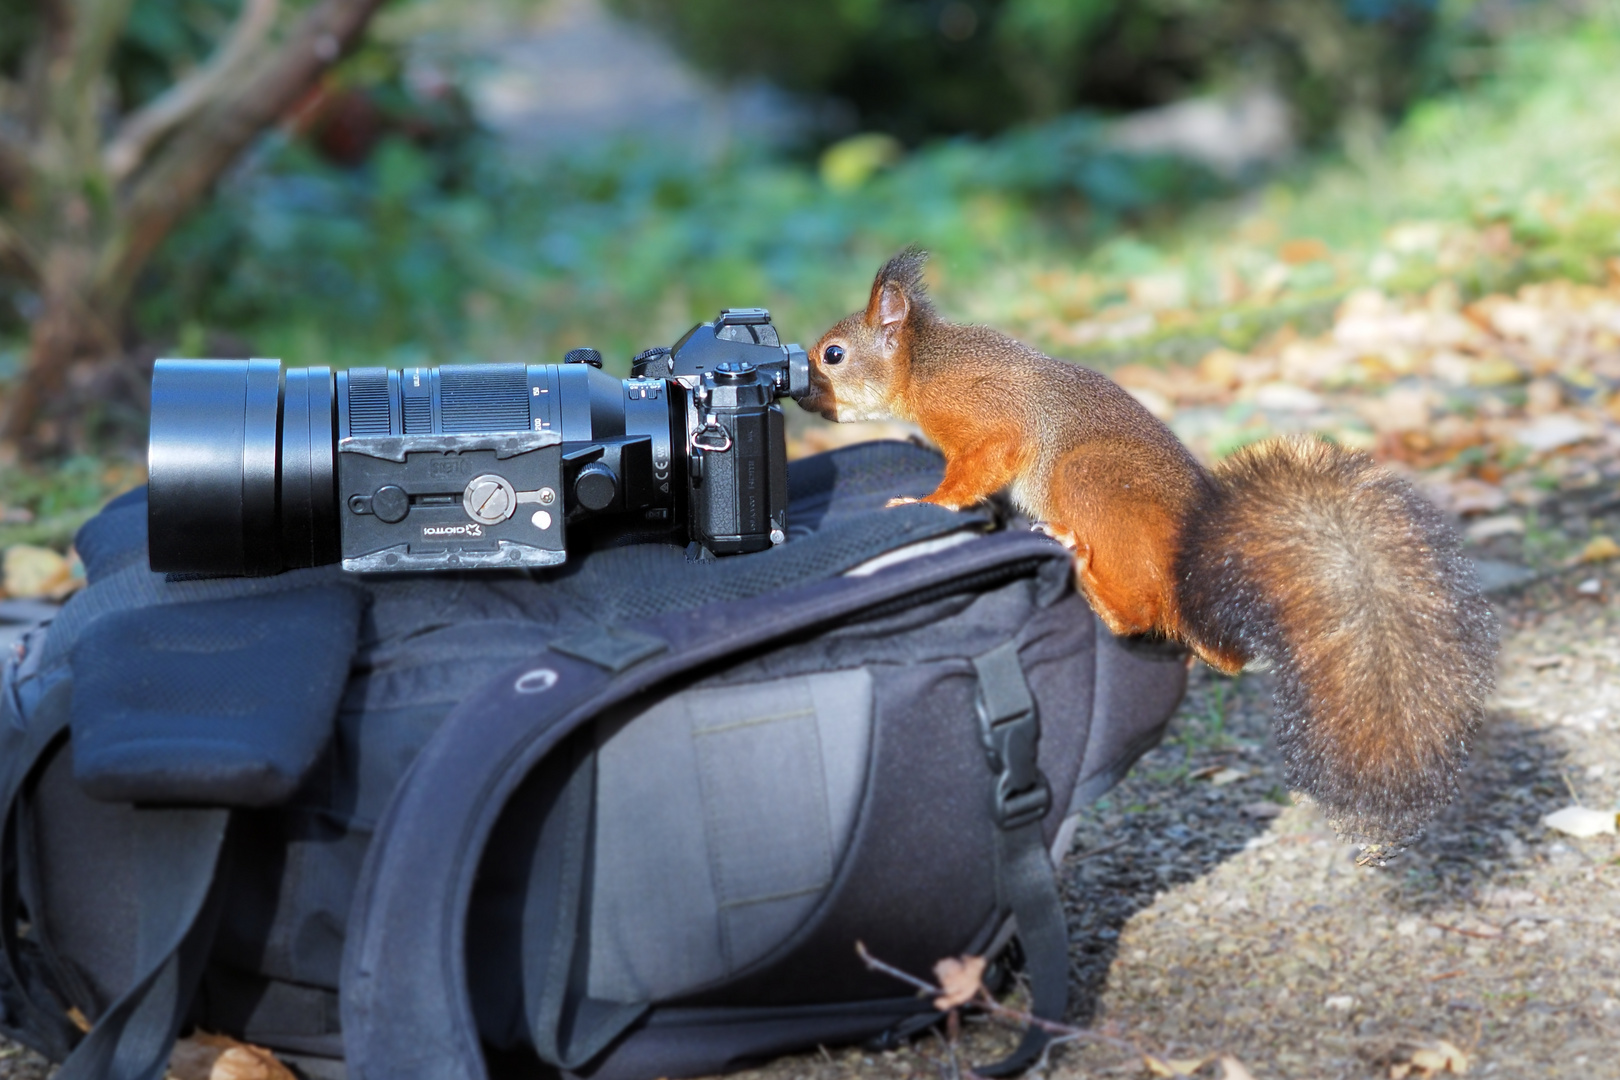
point(899, 287)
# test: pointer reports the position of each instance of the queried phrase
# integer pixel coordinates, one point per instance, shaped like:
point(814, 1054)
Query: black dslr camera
point(254, 470)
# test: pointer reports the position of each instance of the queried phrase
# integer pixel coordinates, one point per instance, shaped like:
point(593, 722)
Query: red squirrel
point(1294, 552)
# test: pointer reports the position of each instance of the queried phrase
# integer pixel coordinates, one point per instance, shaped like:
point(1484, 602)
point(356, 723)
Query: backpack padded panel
point(221, 702)
point(707, 861)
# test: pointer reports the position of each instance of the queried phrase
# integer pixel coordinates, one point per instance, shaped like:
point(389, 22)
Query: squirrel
point(1293, 553)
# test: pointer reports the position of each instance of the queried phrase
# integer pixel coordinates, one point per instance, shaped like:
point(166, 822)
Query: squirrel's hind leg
point(1123, 536)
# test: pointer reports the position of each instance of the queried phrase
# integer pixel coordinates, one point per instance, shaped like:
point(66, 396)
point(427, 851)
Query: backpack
point(623, 819)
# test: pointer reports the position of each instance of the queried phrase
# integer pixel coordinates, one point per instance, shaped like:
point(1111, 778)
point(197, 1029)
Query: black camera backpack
point(622, 820)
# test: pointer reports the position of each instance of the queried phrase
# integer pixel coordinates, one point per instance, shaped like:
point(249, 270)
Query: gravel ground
point(1213, 915)
point(1210, 914)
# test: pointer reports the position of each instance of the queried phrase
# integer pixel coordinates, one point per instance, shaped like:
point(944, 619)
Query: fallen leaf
point(219, 1057)
point(1492, 527)
point(1495, 371)
point(961, 979)
point(1227, 776)
point(1173, 1066)
point(1233, 1069)
point(1554, 432)
point(31, 571)
point(1440, 1060)
point(1600, 549)
point(1286, 397)
point(1590, 587)
point(1158, 292)
point(1580, 821)
point(1153, 401)
point(1264, 811)
point(1470, 496)
point(1303, 250)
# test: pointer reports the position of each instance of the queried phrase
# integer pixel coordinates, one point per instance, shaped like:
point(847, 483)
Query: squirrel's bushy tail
point(1354, 590)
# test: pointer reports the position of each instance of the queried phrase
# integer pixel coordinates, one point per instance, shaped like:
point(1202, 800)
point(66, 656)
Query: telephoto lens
point(255, 469)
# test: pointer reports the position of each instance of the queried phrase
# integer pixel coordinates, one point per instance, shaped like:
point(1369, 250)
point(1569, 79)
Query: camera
point(254, 469)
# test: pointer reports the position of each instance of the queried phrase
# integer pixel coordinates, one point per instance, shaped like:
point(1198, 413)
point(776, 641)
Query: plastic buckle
point(1022, 794)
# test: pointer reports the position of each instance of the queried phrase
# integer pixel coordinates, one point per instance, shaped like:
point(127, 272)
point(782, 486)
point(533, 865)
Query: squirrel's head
point(860, 368)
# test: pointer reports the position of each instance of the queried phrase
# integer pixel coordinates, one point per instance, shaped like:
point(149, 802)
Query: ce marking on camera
point(491, 499)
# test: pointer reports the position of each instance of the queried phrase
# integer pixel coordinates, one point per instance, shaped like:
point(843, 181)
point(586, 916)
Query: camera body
point(486, 465)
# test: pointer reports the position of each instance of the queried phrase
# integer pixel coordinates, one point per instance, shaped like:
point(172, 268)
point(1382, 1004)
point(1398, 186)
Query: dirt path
point(1214, 928)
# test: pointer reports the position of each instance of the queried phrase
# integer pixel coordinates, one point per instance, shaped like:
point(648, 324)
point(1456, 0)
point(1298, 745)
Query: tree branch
point(186, 166)
point(93, 30)
point(142, 129)
point(17, 258)
point(15, 165)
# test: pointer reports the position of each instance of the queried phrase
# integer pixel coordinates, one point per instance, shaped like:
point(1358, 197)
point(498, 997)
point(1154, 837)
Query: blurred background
point(1394, 222)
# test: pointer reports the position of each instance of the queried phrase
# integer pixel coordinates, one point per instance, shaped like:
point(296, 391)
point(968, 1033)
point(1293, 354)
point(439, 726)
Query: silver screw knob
point(489, 499)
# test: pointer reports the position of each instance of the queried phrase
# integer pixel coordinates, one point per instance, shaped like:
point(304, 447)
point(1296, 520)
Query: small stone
point(1340, 1003)
point(1590, 587)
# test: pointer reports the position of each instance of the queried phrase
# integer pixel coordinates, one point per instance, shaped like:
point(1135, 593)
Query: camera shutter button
point(390, 504)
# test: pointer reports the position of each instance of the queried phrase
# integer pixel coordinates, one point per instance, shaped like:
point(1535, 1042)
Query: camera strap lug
point(712, 436)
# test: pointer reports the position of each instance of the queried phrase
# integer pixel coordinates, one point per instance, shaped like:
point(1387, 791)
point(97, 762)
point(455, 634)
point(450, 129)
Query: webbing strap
point(42, 1024)
point(1024, 876)
point(1025, 883)
point(568, 1027)
point(177, 853)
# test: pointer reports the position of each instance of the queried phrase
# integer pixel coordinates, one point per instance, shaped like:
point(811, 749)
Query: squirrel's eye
point(833, 354)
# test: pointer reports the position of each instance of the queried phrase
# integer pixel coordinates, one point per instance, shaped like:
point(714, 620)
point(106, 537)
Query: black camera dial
point(732, 370)
point(833, 354)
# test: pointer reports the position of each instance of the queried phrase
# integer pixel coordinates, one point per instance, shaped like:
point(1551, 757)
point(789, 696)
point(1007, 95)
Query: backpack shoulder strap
point(407, 1014)
point(177, 853)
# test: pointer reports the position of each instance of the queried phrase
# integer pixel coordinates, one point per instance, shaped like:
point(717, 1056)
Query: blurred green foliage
point(450, 251)
point(920, 68)
point(439, 256)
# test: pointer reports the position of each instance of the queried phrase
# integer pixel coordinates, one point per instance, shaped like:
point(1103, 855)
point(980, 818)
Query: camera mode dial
point(732, 370)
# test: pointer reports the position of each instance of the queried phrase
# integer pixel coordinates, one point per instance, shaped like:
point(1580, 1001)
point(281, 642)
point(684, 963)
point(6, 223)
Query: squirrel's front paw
point(900, 500)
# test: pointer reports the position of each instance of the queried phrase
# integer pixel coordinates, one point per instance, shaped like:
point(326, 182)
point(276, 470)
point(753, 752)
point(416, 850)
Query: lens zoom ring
point(483, 397)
